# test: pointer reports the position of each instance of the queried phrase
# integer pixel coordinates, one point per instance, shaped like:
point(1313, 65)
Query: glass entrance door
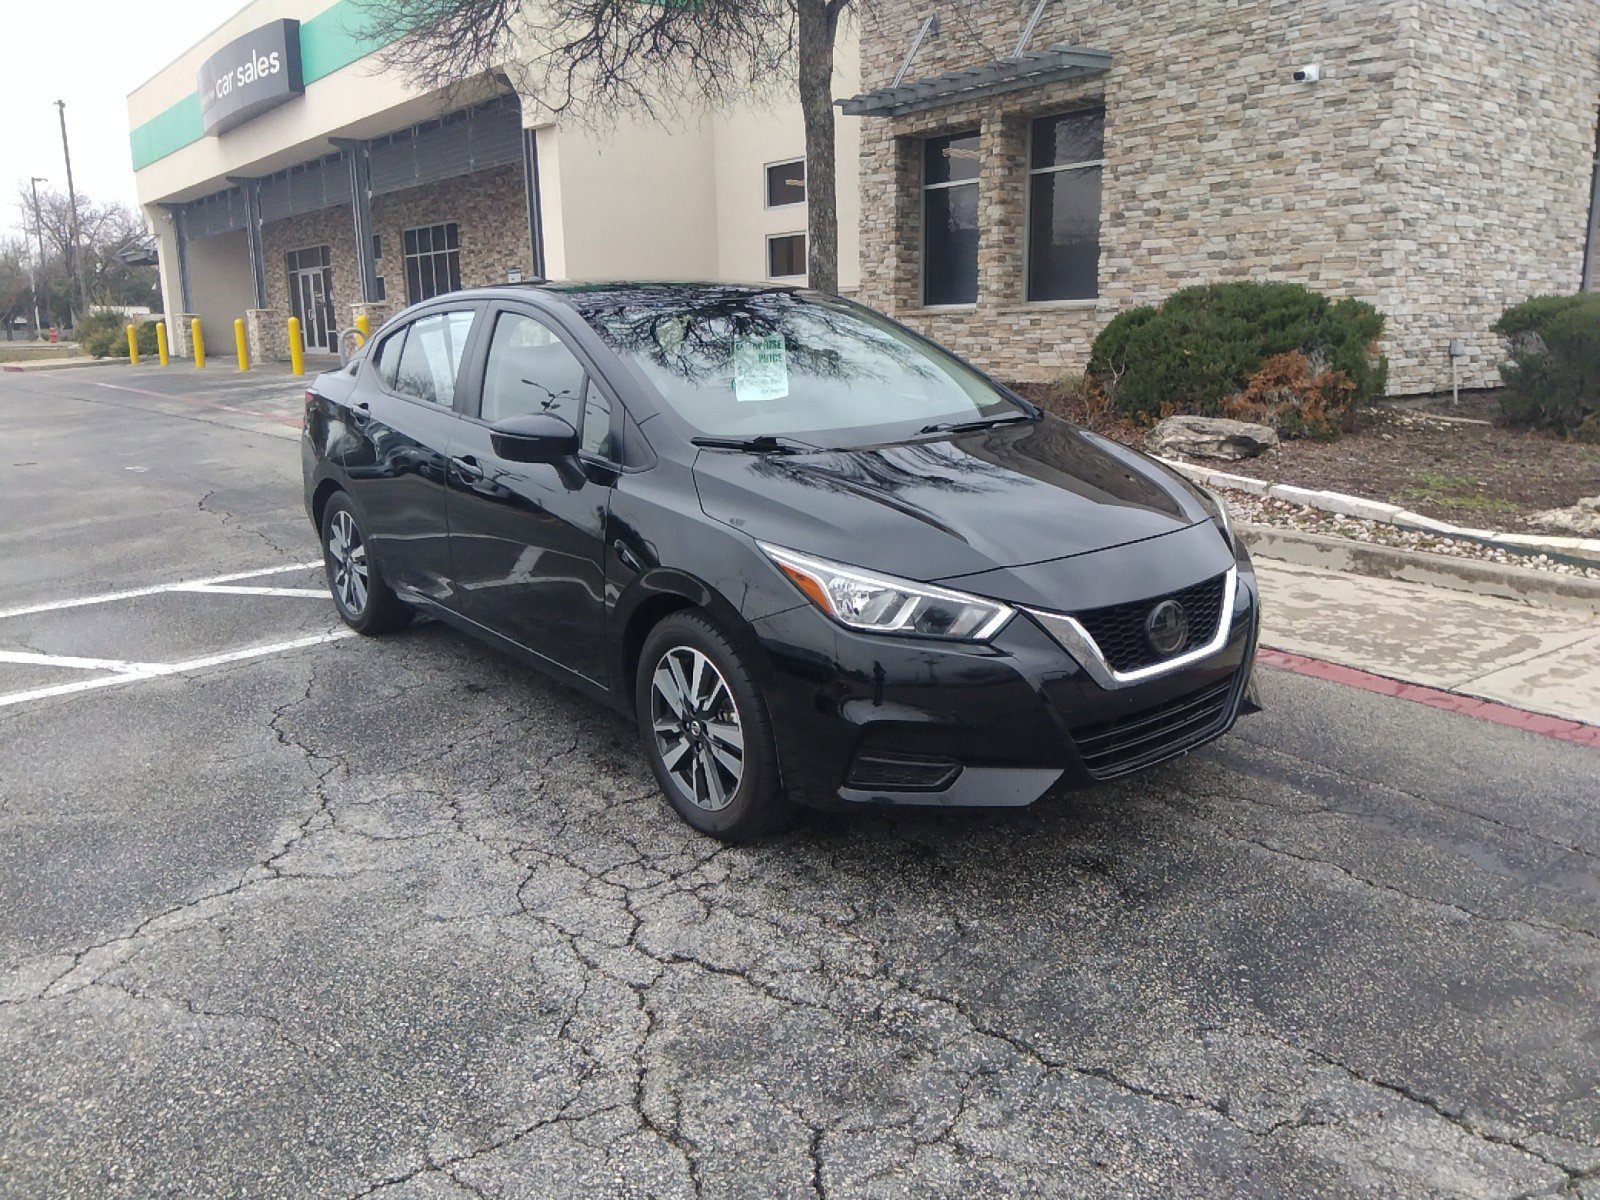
point(311, 297)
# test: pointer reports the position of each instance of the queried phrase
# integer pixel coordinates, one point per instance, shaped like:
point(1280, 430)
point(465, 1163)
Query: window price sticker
point(760, 369)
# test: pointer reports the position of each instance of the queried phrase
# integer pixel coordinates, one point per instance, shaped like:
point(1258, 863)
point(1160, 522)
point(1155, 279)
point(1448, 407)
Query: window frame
point(472, 407)
point(923, 188)
point(406, 257)
point(1027, 206)
point(766, 183)
point(805, 252)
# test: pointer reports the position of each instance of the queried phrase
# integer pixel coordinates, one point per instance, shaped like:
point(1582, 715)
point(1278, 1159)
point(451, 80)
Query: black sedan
point(820, 560)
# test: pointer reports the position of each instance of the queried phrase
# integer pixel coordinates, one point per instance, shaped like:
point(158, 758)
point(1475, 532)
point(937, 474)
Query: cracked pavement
point(397, 918)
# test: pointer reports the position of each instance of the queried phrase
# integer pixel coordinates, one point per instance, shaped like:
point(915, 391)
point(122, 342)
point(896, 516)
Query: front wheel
point(707, 732)
point(365, 601)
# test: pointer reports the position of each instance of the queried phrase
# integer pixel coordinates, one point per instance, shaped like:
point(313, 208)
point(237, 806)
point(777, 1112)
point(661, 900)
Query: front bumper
point(867, 720)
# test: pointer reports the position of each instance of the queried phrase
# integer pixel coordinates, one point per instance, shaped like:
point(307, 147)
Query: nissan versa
point(820, 560)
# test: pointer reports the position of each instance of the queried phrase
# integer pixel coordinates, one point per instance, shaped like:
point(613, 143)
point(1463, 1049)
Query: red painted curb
point(1485, 710)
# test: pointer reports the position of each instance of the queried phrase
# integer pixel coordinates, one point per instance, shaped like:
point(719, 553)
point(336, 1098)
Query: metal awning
point(1030, 69)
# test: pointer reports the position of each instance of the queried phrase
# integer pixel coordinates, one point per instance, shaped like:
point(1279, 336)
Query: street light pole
point(38, 229)
point(74, 258)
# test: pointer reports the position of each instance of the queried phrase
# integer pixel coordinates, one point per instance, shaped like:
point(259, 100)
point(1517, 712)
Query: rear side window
point(386, 357)
point(529, 370)
point(431, 357)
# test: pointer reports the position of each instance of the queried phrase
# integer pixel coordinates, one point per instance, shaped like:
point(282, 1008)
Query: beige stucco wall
point(1438, 170)
point(218, 290)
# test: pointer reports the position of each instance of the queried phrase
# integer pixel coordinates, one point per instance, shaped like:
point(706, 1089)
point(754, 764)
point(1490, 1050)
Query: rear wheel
point(365, 601)
point(707, 731)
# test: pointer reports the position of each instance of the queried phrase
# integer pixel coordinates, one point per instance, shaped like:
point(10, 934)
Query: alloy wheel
point(697, 728)
point(347, 556)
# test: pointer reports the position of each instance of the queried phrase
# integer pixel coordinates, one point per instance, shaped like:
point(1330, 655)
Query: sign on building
point(250, 75)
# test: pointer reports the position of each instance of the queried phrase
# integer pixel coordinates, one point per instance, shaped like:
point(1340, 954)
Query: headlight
point(1220, 514)
point(882, 604)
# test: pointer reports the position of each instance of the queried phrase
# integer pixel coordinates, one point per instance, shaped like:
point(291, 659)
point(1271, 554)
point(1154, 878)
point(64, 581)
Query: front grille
point(1113, 748)
point(1119, 629)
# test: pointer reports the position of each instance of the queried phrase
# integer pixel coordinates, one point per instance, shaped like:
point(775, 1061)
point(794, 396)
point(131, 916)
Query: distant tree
point(105, 229)
point(603, 59)
point(16, 285)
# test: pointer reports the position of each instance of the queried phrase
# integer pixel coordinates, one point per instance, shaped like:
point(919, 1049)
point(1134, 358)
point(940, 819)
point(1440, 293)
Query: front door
point(311, 297)
point(527, 539)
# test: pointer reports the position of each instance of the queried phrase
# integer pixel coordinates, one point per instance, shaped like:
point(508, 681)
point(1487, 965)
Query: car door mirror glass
point(534, 438)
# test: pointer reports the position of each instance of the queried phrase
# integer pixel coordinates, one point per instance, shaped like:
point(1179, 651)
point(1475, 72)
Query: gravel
point(1269, 510)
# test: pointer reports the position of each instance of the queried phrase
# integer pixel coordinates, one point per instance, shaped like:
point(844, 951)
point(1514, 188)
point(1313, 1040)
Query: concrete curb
point(59, 364)
point(1544, 588)
point(1580, 550)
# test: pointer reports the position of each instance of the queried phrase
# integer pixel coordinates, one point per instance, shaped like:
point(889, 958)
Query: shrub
point(1552, 376)
point(1206, 345)
point(1291, 395)
point(105, 335)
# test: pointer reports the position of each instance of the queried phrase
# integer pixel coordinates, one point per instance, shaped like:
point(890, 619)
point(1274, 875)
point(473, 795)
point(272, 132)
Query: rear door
point(399, 468)
point(527, 540)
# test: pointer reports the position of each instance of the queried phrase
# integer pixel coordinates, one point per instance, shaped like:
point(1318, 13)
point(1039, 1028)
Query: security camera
point(1310, 73)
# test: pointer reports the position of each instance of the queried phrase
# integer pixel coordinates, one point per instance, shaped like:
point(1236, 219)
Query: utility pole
point(74, 258)
point(38, 228)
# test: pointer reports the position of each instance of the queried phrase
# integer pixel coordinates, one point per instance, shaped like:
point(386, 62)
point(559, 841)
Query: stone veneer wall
point(489, 206)
point(1373, 183)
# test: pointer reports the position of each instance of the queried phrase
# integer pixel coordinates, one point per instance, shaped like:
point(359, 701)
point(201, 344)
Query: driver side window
point(528, 371)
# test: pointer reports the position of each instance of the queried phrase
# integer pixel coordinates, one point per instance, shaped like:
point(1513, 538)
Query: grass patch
point(23, 354)
point(1453, 491)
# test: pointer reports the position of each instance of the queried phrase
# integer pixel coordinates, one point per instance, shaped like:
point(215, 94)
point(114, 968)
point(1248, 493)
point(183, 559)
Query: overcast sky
point(90, 55)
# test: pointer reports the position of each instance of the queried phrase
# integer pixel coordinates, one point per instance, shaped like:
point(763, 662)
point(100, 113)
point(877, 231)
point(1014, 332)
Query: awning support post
point(1029, 29)
point(356, 154)
point(530, 179)
point(252, 232)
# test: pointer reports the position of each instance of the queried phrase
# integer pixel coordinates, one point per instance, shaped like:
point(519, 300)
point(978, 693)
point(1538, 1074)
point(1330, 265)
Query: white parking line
point(224, 589)
point(155, 590)
point(29, 659)
point(139, 672)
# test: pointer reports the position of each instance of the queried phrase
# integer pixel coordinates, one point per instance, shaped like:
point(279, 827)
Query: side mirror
point(534, 438)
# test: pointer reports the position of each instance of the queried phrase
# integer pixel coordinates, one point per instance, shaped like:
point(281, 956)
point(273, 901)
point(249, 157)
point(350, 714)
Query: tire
point(365, 601)
point(715, 758)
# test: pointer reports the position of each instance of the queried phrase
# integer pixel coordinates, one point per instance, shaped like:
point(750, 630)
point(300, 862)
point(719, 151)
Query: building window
point(433, 261)
point(786, 183)
point(382, 292)
point(950, 219)
point(786, 256)
point(1065, 165)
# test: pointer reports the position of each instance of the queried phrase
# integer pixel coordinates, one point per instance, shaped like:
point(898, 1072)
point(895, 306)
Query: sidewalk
point(1544, 660)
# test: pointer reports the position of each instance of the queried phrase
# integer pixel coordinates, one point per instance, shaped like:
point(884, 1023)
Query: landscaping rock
point(1210, 437)
point(1582, 518)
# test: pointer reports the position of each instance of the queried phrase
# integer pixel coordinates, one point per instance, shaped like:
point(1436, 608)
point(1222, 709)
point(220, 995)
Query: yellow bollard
point(133, 346)
point(199, 342)
point(240, 344)
point(364, 324)
point(297, 352)
point(161, 343)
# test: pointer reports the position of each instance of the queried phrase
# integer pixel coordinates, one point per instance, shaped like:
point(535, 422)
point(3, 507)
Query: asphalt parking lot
point(287, 913)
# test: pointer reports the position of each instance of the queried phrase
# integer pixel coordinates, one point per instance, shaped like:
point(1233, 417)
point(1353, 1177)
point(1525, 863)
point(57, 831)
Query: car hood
point(932, 510)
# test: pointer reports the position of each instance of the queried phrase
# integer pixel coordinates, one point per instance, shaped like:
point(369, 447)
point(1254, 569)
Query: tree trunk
point(818, 23)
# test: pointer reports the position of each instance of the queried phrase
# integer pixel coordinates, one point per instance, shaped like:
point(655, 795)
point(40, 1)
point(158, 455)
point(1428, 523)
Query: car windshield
point(746, 363)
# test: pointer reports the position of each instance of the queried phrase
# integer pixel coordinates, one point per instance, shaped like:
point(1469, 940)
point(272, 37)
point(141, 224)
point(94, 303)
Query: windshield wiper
point(766, 443)
point(981, 423)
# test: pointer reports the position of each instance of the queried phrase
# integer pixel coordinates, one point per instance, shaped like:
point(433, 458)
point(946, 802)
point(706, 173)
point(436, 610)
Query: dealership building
point(286, 172)
point(1012, 173)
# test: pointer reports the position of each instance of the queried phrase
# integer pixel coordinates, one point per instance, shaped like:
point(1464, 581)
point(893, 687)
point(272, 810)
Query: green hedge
point(105, 335)
point(1204, 344)
point(1552, 376)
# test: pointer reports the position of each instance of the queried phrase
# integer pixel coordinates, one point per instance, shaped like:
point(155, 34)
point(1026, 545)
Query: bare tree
point(602, 59)
point(104, 230)
point(16, 283)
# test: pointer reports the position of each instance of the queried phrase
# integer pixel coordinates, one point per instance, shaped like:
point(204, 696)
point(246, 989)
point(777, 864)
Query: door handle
point(467, 467)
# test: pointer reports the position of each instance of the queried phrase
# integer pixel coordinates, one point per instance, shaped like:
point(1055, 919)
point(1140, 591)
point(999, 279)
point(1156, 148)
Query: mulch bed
point(1478, 475)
